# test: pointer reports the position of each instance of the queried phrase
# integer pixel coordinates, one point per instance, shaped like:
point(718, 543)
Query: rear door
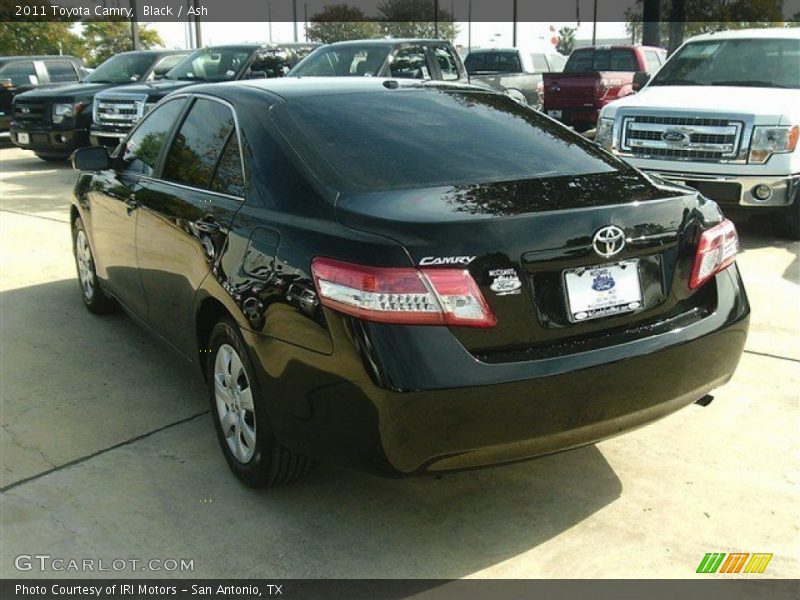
point(185, 214)
point(115, 197)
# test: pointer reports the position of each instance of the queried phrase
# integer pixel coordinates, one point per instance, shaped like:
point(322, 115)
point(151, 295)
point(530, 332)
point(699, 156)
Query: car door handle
point(207, 225)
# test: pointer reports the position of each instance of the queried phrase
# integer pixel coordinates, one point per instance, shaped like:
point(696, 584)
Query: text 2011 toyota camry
point(405, 277)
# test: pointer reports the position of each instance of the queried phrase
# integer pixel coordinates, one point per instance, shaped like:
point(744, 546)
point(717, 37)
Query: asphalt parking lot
point(108, 452)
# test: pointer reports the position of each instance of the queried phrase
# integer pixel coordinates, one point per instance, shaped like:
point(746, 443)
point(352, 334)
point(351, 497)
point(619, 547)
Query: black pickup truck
point(52, 122)
point(20, 74)
point(117, 110)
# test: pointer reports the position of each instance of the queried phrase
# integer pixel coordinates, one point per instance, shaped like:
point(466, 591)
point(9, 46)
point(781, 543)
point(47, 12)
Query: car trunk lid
point(518, 239)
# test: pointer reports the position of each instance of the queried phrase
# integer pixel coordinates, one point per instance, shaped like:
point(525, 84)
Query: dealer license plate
point(23, 138)
point(556, 114)
point(603, 290)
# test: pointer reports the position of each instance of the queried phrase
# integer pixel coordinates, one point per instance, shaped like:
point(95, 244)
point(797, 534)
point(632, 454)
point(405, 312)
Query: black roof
point(298, 87)
point(388, 42)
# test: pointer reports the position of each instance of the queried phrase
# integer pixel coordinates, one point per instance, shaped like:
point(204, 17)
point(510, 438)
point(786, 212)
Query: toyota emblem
point(608, 241)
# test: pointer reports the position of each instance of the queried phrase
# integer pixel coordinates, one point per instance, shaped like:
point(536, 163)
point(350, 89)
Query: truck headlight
point(767, 141)
point(61, 111)
point(604, 134)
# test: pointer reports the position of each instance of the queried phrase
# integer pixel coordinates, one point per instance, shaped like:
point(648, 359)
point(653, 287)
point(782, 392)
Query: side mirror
point(6, 83)
point(257, 75)
point(91, 158)
point(640, 79)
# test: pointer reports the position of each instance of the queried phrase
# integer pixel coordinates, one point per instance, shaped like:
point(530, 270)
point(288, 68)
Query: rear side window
point(20, 73)
point(415, 139)
point(410, 63)
point(447, 63)
point(61, 70)
point(198, 145)
point(580, 61)
point(140, 153)
point(229, 177)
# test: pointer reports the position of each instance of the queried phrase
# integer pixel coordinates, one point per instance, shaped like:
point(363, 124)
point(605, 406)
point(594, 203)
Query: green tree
point(566, 40)
point(340, 22)
point(38, 38)
point(104, 39)
point(414, 19)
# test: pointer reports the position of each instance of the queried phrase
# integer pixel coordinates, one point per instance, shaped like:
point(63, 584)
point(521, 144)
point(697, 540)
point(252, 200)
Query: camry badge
point(608, 241)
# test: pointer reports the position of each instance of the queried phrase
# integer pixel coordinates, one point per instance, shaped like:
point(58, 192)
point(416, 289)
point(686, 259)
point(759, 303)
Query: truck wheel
point(787, 222)
point(240, 415)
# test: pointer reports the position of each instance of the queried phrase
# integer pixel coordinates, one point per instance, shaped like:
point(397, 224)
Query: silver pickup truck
point(514, 71)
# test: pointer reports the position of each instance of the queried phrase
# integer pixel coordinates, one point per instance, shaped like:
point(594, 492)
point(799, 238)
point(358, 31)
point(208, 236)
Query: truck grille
point(31, 111)
point(119, 110)
point(681, 137)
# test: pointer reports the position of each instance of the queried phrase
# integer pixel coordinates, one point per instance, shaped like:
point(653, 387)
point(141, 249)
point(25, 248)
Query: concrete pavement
point(107, 452)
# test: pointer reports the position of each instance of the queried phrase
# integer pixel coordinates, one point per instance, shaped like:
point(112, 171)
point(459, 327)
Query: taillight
point(716, 251)
point(402, 295)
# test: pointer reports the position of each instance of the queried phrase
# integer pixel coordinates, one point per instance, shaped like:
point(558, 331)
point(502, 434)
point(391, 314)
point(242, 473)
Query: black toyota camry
point(405, 277)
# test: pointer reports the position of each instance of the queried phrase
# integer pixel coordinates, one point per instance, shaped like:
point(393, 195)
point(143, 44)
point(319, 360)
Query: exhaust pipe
point(705, 400)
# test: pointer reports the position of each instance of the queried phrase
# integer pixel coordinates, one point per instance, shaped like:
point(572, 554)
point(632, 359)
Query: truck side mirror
point(91, 158)
point(640, 79)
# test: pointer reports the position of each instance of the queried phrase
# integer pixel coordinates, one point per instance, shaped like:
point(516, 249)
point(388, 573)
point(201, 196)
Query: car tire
point(94, 298)
point(53, 158)
point(787, 222)
point(240, 415)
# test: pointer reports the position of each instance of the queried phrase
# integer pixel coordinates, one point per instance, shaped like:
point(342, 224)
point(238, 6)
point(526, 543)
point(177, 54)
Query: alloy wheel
point(234, 400)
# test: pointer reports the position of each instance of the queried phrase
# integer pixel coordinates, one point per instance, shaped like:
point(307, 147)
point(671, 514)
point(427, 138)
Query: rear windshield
point(493, 62)
point(606, 59)
point(426, 138)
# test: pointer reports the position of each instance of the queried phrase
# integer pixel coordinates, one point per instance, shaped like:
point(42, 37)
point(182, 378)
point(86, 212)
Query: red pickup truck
point(593, 77)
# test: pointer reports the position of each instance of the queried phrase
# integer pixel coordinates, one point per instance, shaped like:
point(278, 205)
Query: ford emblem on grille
point(672, 135)
point(608, 241)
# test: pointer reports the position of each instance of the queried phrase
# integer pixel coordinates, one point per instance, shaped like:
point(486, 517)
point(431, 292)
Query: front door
point(114, 201)
point(185, 214)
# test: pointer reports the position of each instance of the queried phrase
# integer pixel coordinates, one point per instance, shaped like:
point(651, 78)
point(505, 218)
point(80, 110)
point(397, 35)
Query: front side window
point(61, 70)
point(165, 64)
point(447, 63)
point(211, 64)
point(20, 73)
point(351, 60)
point(760, 62)
point(122, 68)
point(198, 144)
point(140, 153)
point(410, 63)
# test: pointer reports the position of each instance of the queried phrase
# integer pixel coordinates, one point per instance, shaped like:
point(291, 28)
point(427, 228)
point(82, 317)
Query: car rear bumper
point(736, 190)
point(336, 407)
point(50, 142)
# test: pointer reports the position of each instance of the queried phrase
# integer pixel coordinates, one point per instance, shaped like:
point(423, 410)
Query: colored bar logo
point(736, 562)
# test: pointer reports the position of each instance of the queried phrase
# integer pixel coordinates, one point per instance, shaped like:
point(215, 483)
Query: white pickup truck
point(723, 116)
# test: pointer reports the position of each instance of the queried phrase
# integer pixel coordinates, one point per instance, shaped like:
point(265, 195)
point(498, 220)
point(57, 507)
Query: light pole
point(514, 31)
